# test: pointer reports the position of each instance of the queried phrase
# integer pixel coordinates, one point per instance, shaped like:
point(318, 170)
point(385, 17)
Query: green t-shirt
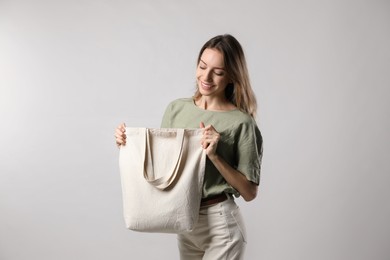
point(240, 144)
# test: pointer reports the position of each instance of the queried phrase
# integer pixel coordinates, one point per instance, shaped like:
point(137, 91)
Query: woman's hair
point(239, 92)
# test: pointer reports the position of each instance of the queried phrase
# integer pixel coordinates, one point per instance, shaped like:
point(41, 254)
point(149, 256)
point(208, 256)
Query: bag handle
point(164, 181)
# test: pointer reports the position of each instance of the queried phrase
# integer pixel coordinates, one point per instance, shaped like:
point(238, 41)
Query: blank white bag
point(162, 174)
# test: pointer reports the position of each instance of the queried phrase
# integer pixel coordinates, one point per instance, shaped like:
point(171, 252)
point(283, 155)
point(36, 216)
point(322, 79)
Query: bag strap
point(164, 181)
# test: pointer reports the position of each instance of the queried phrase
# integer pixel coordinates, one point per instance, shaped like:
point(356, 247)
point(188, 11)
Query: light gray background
point(73, 70)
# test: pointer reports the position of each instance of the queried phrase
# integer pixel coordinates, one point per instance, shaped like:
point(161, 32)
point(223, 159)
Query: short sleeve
point(249, 152)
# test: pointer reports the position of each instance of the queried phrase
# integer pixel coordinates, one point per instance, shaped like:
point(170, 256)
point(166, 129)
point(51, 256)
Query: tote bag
point(162, 174)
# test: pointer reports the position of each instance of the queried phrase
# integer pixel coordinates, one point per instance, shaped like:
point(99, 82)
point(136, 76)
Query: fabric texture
point(220, 234)
point(240, 144)
point(162, 173)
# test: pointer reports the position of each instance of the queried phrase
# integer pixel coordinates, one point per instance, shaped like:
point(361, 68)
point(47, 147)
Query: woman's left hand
point(210, 140)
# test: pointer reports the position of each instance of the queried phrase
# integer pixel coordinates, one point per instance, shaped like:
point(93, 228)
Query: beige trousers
point(219, 234)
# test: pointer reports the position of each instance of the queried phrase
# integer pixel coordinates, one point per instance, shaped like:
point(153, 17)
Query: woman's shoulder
point(180, 103)
point(242, 117)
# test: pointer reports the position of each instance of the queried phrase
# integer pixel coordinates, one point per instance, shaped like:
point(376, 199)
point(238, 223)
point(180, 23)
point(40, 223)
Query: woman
point(224, 105)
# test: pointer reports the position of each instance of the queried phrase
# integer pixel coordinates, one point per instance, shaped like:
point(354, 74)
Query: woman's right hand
point(120, 135)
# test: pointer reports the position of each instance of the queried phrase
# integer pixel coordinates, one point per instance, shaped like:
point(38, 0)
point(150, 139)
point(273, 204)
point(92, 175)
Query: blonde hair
point(239, 92)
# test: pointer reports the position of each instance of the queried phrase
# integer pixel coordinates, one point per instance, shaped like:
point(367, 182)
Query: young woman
point(224, 105)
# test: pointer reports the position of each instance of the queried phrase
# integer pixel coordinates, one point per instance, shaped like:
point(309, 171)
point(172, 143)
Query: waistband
point(214, 199)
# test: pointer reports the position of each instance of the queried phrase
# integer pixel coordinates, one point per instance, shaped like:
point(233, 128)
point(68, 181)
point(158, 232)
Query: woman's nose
point(207, 76)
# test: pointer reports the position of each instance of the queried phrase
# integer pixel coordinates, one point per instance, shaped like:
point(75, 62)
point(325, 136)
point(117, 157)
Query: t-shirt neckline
point(214, 111)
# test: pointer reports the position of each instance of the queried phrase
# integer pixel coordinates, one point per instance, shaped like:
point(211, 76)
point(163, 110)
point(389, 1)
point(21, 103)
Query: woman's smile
point(206, 86)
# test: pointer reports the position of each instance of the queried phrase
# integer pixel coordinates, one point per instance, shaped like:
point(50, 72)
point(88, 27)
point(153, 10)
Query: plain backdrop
point(71, 71)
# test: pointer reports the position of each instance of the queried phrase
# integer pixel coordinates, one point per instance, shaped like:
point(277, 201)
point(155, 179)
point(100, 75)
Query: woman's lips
point(206, 86)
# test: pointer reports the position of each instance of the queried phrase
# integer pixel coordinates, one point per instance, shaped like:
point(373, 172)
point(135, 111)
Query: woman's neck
point(214, 104)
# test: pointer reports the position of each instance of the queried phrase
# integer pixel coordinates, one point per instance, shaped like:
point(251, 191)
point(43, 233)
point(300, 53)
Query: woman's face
point(211, 75)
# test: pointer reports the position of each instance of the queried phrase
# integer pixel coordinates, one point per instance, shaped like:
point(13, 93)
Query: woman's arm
point(247, 189)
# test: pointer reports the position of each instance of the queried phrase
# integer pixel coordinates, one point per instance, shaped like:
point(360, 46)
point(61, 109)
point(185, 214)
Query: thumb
point(201, 125)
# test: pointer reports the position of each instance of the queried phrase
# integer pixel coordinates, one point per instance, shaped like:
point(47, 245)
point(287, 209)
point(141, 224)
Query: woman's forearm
point(247, 189)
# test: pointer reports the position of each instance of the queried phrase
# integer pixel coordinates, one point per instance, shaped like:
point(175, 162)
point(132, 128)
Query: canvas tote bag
point(162, 172)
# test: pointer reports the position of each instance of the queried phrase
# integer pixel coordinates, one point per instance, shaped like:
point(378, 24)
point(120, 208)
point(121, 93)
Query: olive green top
point(240, 144)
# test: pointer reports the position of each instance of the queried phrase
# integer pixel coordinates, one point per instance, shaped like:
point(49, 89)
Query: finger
point(210, 133)
point(210, 139)
point(120, 141)
point(201, 125)
point(119, 145)
point(205, 144)
point(211, 128)
point(122, 127)
point(120, 136)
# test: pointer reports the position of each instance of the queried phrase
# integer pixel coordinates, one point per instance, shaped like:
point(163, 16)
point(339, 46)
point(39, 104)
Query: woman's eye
point(202, 68)
point(219, 73)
